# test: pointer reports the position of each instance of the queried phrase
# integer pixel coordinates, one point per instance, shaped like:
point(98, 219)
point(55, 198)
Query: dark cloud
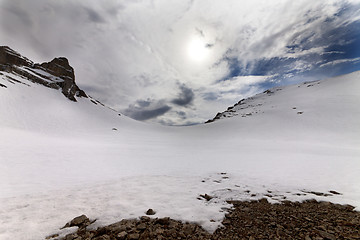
point(94, 16)
point(147, 109)
point(181, 114)
point(143, 103)
point(185, 97)
point(149, 114)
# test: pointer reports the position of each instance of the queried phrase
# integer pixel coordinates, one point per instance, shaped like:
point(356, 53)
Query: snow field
point(60, 159)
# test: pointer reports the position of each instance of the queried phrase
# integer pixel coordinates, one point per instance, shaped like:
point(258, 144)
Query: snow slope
point(60, 159)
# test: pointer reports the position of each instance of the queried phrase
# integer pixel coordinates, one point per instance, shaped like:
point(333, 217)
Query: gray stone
point(122, 235)
point(80, 221)
point(326, 235)
point(163, 221)
point(150, 212)
point(141, 226)
point(134, 236)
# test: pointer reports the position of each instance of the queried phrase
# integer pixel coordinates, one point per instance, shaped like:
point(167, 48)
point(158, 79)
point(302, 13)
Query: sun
point(197, 50)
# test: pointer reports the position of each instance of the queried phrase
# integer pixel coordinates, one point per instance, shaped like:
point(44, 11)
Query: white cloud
point(335, 62)
point(238, 83)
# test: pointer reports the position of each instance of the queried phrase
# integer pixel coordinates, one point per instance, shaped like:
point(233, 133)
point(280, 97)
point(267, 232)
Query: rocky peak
point(9, 57)
point(57, 74)
point(58, 67)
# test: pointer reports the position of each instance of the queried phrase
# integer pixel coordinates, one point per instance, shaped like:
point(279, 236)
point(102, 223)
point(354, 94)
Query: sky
point(178, 62)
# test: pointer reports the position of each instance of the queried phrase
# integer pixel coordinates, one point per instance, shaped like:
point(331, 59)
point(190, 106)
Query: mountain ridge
point(56, 74)
point(272, 99)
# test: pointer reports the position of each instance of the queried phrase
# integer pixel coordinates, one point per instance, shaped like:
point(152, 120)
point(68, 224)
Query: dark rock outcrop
point(59, 67)
point(56, 74)
point(223, 114)
point(150, 211)
point(81, 221)
point(9, 57)
point(143, 228)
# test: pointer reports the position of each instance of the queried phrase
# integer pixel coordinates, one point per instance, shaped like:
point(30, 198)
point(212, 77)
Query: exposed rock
point(268, 92)
point(57, 74)
point(73, 236)
point(80, 221)
point(150, 212)
point(326, 235)
point(103, 237)
point(145, 219)
point(163, 221)
point(229, 112)
point(189, 229)
point(307, 237)
point(60, 67)
point(9, 57)
point(141, 226)
point(318, 193)
point(122, 235)
point(260, 219)
point(206, 197)
point(134, 236)
point(52, 236)
point(290, 220)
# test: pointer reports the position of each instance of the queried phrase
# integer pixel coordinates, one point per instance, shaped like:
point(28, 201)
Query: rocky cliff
point(56, 74)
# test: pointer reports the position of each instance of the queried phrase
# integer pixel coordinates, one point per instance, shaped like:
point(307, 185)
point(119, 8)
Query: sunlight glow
point(197, 50)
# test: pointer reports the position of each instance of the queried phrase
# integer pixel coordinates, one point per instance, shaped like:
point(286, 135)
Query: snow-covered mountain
point(63, 154)
point(308, 98)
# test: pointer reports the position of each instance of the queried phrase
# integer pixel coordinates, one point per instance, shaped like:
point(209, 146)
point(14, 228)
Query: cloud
point(94, 16)
point(146, 109)
point(335, 62)
point(210, 96)
point(181, 114)
point(236, 86)
point(185, 97)
point(21, 15)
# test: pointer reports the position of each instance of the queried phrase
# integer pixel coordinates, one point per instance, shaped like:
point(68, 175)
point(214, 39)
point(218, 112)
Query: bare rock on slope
point(247, 220)
point(61, 68)
point(9, 57)
point(56, 74)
